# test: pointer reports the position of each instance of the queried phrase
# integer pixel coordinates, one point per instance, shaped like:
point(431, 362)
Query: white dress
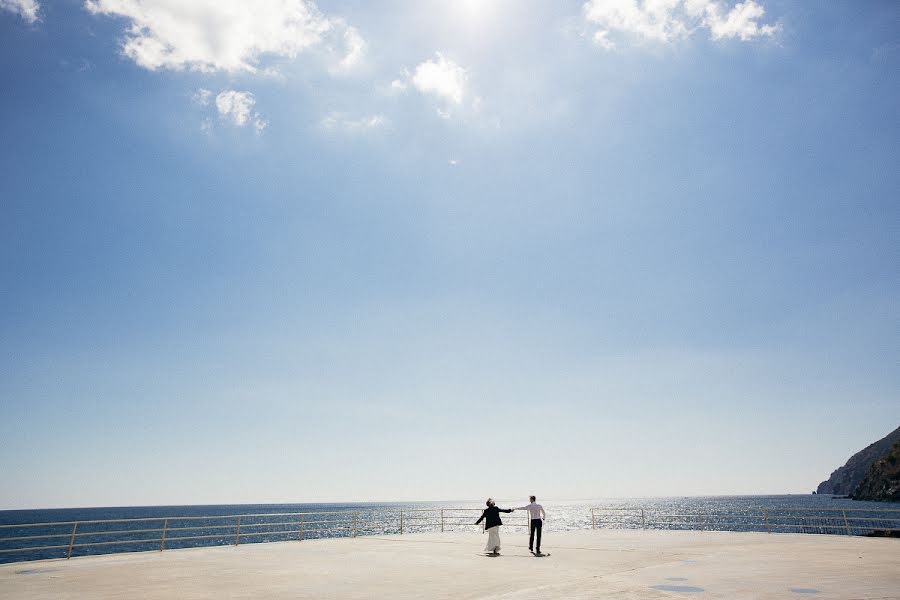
point(493, 543)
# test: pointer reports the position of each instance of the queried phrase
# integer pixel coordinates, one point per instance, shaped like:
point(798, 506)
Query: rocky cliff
point(882, 480)
point(846, 479)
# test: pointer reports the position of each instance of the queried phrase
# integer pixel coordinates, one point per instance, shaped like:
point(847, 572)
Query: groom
point(536, 514)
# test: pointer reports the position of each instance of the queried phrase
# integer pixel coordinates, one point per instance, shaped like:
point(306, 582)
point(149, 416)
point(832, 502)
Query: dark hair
point(532, 498)
point(490, 502)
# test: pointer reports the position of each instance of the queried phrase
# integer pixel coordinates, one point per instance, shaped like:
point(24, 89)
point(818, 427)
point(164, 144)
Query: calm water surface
point(741, 513)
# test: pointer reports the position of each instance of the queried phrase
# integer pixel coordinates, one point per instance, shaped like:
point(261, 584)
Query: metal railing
point(846, 521)
point(64, 539)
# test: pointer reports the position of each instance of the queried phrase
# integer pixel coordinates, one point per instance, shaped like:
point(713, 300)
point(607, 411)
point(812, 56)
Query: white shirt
point(535, 510)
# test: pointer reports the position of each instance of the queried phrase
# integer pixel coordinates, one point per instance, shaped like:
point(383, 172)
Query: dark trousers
point(536, 526)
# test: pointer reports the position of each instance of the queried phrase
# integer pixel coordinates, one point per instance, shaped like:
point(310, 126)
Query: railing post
point(401, 521)
point(700, 520)
point(237, 537)
point(768, 527)
point(72, 540)
point(593, 522)
point(846, 523)
point(162, 543)
point(301, 529)
point(355, 517)
point(643, 520)
point(442, 520)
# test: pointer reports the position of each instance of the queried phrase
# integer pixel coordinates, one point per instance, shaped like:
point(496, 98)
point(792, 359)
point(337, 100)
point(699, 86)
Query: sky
point(352, 251)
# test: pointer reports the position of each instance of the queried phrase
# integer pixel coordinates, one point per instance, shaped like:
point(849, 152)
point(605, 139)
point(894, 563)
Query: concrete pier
point(620, 564)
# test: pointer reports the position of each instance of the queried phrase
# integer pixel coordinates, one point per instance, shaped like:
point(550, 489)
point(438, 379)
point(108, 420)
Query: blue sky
point(438, 250)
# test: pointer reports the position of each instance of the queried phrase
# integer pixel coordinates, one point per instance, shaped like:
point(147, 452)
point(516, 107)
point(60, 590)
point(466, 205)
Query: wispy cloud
point(354, 47)
point(740, 22)
point(237, 108)
point(224, 35)
point(336, 120)
point(29, 10)
point(671, 20)
point(233, 107)
point(201, 97)
point(400, 85)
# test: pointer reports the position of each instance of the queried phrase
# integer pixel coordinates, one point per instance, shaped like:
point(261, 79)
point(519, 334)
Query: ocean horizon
point(562, 515)
point(567, 506)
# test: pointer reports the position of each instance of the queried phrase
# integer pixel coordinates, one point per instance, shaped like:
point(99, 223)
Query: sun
point(474, 12)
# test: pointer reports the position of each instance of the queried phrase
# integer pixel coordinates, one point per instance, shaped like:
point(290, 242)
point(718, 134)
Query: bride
point(492, 523)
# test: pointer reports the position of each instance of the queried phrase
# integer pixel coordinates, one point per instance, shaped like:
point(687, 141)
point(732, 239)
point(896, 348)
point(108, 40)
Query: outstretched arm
point(506, 510)
point(480, 519)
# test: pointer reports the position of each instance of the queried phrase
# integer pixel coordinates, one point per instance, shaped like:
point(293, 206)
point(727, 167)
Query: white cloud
point(355, 46)
point(601, 38)
point(226, 35)
point(444, 81)
point(29, 10)
point(671, 20)
point(341, 121)
point(441, 77)
point(740, 22)
point(652, 19)
point(201, 97)
point(237, 107)
point(400, 85)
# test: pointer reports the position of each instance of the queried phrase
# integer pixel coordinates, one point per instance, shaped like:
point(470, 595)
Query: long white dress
point(493, 543)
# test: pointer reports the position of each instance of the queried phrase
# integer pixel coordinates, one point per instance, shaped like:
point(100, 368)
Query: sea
point(53, 533)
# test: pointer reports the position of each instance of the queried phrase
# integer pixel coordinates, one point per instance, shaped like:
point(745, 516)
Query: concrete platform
point(582, 564)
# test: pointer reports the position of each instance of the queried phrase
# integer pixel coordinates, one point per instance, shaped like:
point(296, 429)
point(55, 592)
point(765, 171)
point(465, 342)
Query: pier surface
point(621, 564)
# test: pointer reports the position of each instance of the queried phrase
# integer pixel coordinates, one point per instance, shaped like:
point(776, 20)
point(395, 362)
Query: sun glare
point(474, 12)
